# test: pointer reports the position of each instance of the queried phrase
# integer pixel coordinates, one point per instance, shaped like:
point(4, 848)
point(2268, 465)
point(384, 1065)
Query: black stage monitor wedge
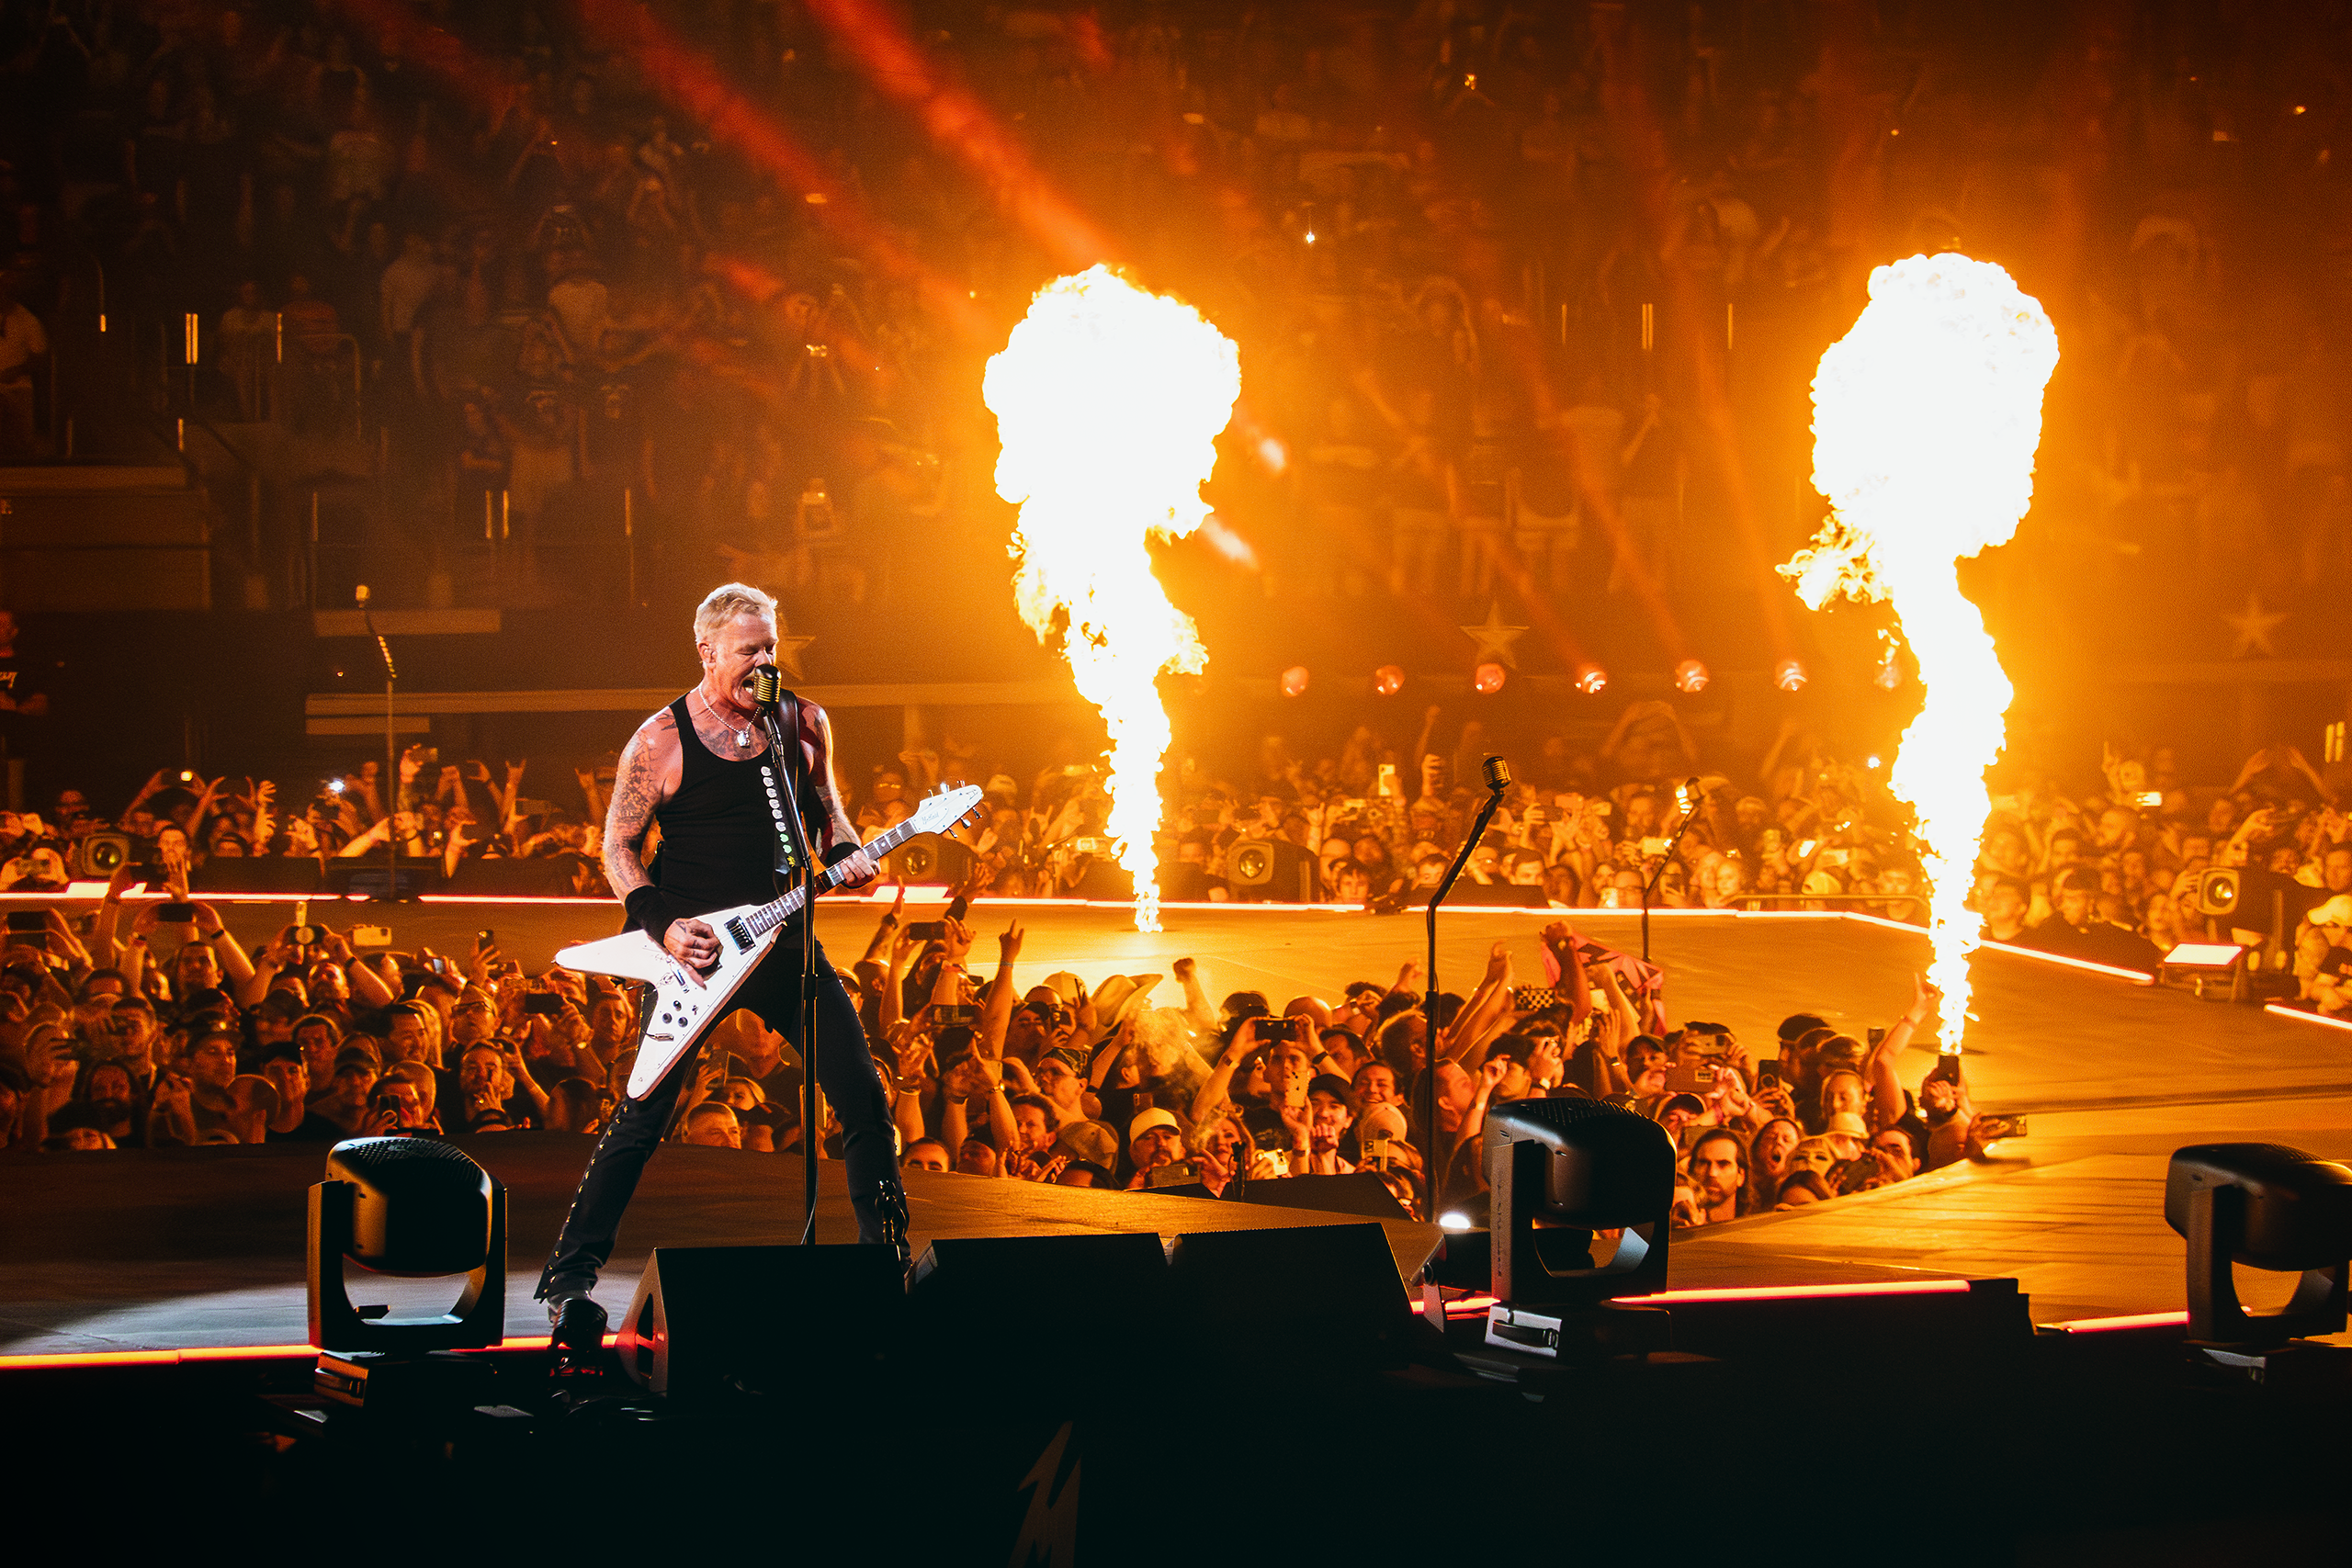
point(1504, 895)
point(2266, 1206)
point(1023, 1284)
point(708, 1323)
point(1560, 1170)
point(1321, 1296)
point(1362, 1194)
point(268, 874)
point(1036, 1300)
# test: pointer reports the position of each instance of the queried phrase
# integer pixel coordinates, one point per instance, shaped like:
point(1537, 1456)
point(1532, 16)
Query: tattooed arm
point(647, 774)
point(830, 815)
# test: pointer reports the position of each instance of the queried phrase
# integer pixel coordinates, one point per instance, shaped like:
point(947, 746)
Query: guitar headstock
point(938, 813)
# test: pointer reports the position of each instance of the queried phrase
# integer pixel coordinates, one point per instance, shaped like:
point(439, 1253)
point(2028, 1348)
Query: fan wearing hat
point(1675, 1113)
point(1155, 1138)
point(1120, 1070)
point(1060, 1077)
point(1043, 1022)
point(2326, 961)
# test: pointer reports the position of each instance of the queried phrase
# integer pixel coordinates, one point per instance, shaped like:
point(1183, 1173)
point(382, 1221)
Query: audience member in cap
point(1155, 1138)
point(1092, 1143)
point(1330, 1113)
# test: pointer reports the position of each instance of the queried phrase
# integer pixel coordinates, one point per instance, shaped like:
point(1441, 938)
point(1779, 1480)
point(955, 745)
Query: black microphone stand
point(1497, 775)
point(803, 871)
point(389, 794)
point(1690, 815)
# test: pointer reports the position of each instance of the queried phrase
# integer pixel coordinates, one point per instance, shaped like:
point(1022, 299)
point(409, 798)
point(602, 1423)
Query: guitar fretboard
point(767, 917)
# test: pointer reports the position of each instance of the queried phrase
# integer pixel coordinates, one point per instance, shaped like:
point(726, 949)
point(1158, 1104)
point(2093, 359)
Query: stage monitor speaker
point(1033, 1300)
point(1499, 895)
point(365, 877)
point(268, 873)
point(1328, 1296)
point(1273, 871)
point(710, 1322)
point(537, 877)
point(931, 859)
point(1362, 1194)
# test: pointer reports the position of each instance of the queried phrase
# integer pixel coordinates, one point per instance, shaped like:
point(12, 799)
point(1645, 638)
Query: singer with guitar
point(702, 769)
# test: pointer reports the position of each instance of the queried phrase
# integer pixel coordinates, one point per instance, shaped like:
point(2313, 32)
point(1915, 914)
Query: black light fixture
point(2271, 1207)
point(407, 1208)
point(1270, 870)
point(1561, 1170)
point(2247, 898)
point(2212, 971)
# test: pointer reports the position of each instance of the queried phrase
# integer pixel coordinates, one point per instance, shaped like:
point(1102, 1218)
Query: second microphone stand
point(1497, 775)
point(1692, 798)
point(785, 749)
point(389, 791)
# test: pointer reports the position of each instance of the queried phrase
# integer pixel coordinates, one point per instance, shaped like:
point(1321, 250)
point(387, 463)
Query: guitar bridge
point(741, 933)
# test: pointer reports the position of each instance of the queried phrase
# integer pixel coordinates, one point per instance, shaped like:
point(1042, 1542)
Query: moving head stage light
point(409, 1207)
point(1561, 1170)
point(2254, 910)
point(2266, 1206)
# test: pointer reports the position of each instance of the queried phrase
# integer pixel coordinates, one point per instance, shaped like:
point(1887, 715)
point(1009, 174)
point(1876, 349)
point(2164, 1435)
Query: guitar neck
point(783, 910)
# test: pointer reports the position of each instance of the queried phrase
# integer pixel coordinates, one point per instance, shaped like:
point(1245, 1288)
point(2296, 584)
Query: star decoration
point(787, 653)
point(1493, 638)
point(2254, 628)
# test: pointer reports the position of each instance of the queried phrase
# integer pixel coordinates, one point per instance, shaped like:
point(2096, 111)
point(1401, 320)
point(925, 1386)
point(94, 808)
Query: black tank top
point(719, 832)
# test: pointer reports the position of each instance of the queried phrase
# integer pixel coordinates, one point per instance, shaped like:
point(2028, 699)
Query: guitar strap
point(796, 775)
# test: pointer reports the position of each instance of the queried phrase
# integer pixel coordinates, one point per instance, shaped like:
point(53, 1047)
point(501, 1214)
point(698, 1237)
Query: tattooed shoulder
point(637, 778)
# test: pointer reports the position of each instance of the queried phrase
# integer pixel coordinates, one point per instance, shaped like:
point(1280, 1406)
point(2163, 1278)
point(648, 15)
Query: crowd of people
point(159, 1028)
point(2103, 866)
point(1495, 267)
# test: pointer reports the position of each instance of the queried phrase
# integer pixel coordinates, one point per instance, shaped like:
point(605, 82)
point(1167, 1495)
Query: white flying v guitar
point(686, 1004)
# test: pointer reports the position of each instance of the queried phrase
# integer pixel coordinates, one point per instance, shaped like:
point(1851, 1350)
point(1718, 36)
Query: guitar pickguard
point(684, 1006)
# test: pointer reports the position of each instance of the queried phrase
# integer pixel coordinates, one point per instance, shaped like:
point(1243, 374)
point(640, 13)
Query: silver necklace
point(742, 732)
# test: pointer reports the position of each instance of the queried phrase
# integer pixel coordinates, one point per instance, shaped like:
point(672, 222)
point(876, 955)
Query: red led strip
point(1475, 1306)
point(2307, 1017)
point(2113, 1325)
point(222, 1353)
point(1806, 1292)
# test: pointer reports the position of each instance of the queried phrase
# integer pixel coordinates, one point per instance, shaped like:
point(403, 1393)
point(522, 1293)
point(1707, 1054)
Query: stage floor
point(203, 1247)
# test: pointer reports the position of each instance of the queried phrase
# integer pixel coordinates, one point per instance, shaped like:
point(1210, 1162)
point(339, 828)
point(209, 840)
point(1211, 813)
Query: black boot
point(882, 1219)
point(576, 1333)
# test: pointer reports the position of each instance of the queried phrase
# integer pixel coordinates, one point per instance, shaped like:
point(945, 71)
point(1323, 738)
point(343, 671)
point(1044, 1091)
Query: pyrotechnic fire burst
point(1108, 401)
point(1926, 419)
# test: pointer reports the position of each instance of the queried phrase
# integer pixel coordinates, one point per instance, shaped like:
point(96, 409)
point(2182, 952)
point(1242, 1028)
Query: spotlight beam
point(959, 123)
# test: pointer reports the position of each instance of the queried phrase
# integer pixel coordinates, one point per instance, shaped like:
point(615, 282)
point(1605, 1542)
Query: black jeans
point(845, 1070)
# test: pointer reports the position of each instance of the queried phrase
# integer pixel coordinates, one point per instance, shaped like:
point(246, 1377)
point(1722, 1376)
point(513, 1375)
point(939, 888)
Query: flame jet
point(1927, 415)
point(1108, 401)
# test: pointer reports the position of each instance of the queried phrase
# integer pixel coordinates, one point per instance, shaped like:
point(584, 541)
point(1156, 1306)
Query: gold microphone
point(767, 685)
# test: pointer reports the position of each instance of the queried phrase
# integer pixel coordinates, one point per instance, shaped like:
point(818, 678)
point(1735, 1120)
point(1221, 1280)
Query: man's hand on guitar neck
point(855, 871)
point(692, 944)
